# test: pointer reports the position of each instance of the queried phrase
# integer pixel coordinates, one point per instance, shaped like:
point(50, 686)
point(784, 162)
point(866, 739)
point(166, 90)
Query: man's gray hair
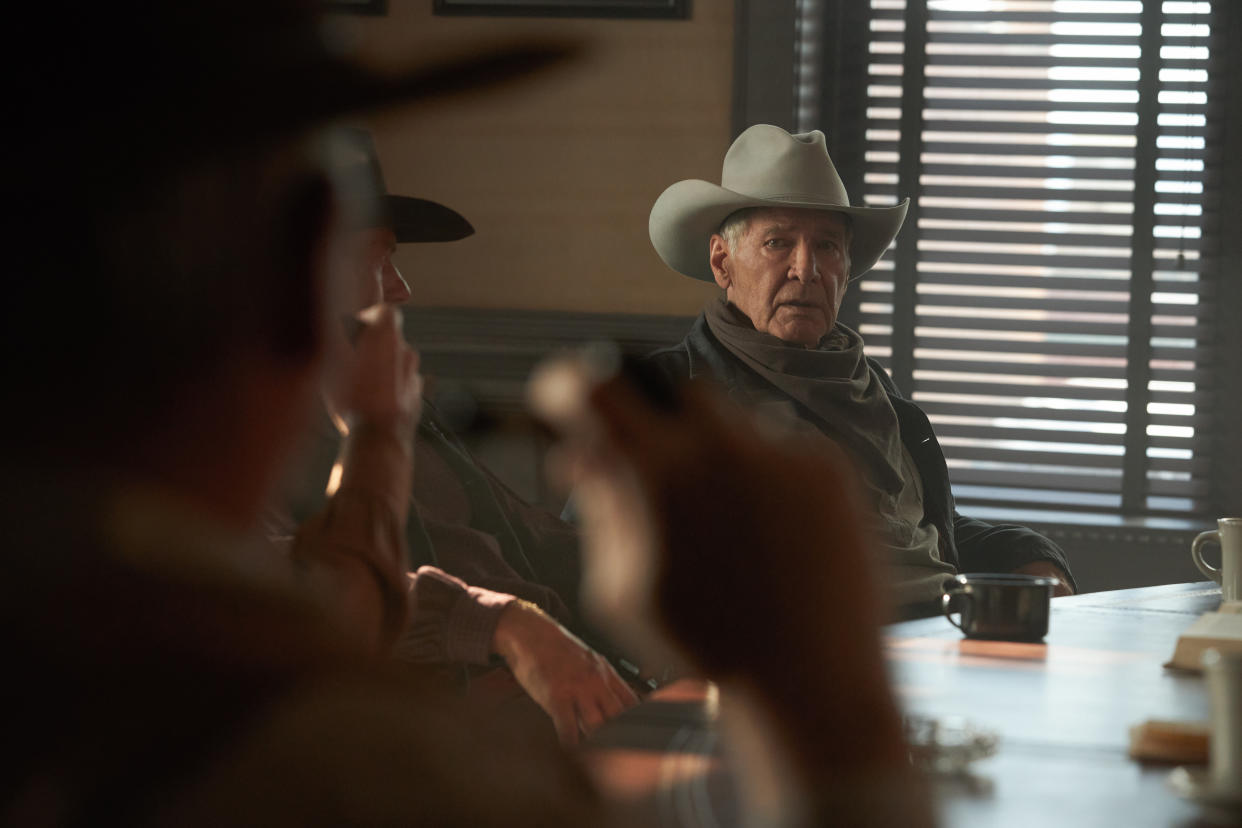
point(735, 226)
point(737, 223)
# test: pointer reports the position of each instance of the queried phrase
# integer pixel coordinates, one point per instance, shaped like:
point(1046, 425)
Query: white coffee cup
point(1228, 536)
point(1223, 673)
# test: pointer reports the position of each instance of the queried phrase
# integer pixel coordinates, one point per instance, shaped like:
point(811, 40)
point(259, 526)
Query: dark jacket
point(465, 521)
point(970, 545)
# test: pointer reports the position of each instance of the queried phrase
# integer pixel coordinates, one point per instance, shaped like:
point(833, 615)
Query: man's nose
point(804, 266)
point(396, 289)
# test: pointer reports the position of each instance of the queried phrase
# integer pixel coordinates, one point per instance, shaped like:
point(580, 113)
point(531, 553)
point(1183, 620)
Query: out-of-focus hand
point(573, 684)
point(379, 385)
point(1048, 569)
point(745, 551)
point(738, 554)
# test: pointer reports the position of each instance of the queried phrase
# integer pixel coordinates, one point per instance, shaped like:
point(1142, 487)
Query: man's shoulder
point(672, 361)
point(692, 355)
point(676, 361)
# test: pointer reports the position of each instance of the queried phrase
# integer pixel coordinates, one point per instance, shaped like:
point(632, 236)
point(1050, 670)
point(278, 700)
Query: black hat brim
point(422, 220)
point(171, 81)
point(248, 103)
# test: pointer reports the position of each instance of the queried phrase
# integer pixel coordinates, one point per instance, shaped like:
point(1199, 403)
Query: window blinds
point(1044, 303)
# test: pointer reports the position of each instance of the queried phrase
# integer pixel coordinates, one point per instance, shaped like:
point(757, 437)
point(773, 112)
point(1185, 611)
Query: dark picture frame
point(667, 9)
point(373, 7)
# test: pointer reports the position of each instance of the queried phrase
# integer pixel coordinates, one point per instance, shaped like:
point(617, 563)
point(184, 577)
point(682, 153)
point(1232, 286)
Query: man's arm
point(1004, 547)
point(981, 546)
point(353, 552)
point(455, 622)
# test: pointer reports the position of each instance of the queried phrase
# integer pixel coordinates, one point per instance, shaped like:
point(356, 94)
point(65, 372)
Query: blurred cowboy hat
point(411, 219)
point(101, 86)
point(765, 167)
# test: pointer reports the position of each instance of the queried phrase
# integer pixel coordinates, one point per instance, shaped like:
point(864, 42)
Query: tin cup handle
point(947, 602)
point(1196, 554)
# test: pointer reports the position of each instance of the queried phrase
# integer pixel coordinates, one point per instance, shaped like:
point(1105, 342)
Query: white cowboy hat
point(765, 167)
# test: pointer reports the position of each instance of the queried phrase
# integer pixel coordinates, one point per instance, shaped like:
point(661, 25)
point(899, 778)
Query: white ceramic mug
point(1228, 536)
point(1224, 682)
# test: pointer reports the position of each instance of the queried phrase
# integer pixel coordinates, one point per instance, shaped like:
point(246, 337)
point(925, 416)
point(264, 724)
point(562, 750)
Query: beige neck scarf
point(832, 380)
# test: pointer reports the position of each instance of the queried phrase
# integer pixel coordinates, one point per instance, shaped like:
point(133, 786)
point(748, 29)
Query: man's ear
point(718, 256)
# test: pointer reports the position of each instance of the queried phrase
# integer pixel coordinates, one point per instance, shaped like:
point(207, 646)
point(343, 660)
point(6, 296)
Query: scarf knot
point(834, 381)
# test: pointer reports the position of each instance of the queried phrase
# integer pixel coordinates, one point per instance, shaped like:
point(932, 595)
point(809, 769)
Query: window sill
point(1096, 526)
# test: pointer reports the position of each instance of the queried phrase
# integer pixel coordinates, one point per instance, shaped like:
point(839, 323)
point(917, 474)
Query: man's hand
point(574, 684)
point(1048, 569)
point(379, 383)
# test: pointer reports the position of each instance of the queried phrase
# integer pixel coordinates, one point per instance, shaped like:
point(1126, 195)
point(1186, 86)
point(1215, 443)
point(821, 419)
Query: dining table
point(1054, 715)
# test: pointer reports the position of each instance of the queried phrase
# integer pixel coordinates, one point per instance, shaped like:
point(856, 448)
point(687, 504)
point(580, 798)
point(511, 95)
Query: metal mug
point(1002, 607)
point(1227, 535)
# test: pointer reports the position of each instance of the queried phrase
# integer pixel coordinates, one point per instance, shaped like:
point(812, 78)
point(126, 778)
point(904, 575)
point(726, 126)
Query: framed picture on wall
point(356, 6)
point(672, 9)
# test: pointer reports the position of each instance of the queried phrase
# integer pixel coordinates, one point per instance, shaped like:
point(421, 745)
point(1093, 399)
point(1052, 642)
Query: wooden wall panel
point(558, 173)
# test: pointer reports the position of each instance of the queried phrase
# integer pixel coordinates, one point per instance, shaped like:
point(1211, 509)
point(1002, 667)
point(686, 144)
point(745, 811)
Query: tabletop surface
point(1062, 710)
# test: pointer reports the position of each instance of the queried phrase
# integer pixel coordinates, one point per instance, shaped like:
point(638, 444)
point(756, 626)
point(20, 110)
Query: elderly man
point(780, 238)
point(452, 510)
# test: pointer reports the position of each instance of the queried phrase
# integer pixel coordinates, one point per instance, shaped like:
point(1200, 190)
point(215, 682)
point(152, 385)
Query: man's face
point(377, 278)
point(787, 271)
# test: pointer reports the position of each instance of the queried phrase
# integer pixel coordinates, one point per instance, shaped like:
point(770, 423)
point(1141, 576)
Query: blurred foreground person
point(674, 502)
point(178, 270)
point(780, 238)
point(383, 472)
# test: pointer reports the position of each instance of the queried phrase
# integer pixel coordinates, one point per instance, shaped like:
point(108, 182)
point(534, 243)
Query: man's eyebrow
point(785, 228)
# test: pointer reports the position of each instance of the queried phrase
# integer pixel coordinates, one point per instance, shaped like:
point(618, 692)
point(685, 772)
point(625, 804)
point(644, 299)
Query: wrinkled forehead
point(817, 222)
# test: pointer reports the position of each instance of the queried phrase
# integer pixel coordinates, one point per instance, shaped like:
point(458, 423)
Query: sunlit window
point(1029, 194)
